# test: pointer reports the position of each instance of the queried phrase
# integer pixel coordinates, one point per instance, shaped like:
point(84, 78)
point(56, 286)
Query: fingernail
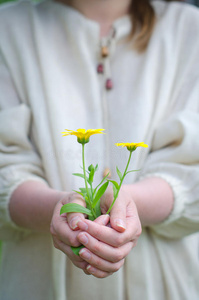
point(120, 223)
point(105, 219)
point(85, 254)
point(83, 238)
point(83, 226)
point(86, 272)
point(90, 269)
point(73, 222)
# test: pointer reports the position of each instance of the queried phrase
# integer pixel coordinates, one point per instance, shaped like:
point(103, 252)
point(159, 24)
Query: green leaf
point(115, 190)
point(83, 170)
point(80, 175)
point(100, 183)
point(98, 209)
point(91, 218)
point(87, 202)
point(74, 207)
point(132, 171)
point(83, 190)
point(115, 184)
point(76, 249)
point(96, 167)
point(84, 195)
point(119, 173)
point(99, 193)
point(91, 175)
point(90, 168)
point(78, 192)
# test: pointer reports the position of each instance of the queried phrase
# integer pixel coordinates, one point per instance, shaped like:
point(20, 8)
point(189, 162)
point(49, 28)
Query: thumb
point(118, 211)
point(118, 215)
point(74, 218)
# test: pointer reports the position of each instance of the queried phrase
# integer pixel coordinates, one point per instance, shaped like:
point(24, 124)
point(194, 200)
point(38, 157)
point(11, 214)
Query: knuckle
point(116, 268)
point(103, 275)
point(119, 240)
point(73, 241)
point(72, 196)
point(97, 263)
point(96, 247)
point(52, 230)
point(118, 256)
point(118, 265)
point(78, 264)
point(76, 198)
point(55, 245)
point(98, 232)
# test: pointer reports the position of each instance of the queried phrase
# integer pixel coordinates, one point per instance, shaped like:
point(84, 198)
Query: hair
point(143, 21)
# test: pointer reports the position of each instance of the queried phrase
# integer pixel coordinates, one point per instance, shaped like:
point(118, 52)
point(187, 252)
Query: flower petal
point(82, 134)
point(131, 146)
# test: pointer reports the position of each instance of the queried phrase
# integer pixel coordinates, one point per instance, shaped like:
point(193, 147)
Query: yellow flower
point(82, 134)
point(132, 146)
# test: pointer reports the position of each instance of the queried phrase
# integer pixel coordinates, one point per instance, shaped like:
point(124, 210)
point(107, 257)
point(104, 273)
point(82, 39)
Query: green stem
point(86, 185)
point(121, 181)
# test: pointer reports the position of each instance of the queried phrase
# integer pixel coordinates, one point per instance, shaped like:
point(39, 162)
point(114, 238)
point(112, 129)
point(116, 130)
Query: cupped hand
point(64, 228)
point(107, 246)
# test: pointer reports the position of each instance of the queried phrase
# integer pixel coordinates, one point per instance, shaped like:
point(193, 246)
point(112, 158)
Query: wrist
point(32, 204)
point(153, 198)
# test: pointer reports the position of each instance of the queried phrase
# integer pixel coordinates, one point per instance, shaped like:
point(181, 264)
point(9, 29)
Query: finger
point(63, 232)
point(76, 260)
point(109, 235)
point(86, 272)
point(97, 273)
point(96, 249)
point(118, 215)
point(74, 218)
point(102, 220)
point(118, 211)
point(60, 229)
point(100, 263)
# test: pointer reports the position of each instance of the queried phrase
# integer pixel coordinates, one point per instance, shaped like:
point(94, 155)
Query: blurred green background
point(0, 248)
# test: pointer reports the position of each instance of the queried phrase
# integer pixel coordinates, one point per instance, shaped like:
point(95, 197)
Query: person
point(130, 67)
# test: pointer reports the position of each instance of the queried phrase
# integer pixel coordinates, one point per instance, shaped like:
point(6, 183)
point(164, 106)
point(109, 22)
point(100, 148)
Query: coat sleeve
point(175, 146)
point(175, 158)
point(19, 161)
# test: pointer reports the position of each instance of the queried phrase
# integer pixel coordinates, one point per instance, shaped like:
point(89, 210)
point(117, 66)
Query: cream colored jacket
point(48, 82)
